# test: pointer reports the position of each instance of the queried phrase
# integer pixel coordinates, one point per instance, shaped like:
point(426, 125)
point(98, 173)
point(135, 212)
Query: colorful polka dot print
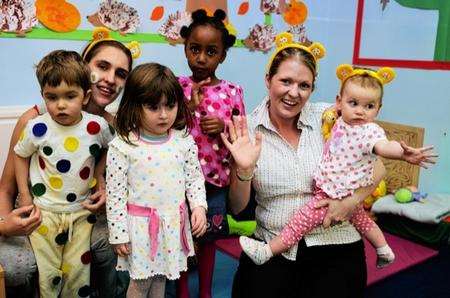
point(71, 144)
point(223, 101)
point(39, 129)
point(347, 162)
point(62, 166)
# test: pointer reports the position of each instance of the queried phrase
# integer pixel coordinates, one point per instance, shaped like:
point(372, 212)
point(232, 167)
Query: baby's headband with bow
point(286, 40)
point(384, 75)
point(101, 34)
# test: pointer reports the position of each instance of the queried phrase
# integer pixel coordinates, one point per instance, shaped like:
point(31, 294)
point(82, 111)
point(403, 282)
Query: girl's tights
point(206, 258)
point(153, 287)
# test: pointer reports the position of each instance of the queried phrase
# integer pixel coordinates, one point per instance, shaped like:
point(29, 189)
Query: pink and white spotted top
point(348, 158)
point(222, 100)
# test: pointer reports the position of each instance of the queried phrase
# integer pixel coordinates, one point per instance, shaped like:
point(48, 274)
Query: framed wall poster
point(414, 34)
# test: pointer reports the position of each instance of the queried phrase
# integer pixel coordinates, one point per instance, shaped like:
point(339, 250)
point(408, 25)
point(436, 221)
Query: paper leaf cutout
point(157, 13)
point(243, 8)
point(59, 15)
point(17, 16)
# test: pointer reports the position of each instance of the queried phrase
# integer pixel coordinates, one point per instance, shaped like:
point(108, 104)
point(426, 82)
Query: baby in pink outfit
point(346, 165)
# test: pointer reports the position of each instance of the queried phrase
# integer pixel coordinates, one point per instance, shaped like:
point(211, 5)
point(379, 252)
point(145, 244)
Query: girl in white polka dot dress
point(152, 168)
point(347, 164)
point(57, 150)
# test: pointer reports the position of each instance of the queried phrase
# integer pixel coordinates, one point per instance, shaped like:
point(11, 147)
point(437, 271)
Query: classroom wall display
point(157, 21)
point(416, 33)
point(17, 16)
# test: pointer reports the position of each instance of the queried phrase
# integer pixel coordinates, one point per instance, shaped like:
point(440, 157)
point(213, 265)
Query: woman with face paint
point(110, 62)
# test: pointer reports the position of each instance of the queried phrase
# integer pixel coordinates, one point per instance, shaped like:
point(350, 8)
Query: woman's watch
point(244, 178)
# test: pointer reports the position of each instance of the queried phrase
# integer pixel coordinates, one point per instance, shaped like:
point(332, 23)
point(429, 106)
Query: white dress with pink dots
point(347, 164)
point(147, 186)
point(348, 158)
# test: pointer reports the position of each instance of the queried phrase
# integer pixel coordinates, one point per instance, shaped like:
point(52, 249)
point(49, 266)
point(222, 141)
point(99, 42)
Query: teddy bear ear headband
point(100, 34)
point(286, 40)
point(384, 75)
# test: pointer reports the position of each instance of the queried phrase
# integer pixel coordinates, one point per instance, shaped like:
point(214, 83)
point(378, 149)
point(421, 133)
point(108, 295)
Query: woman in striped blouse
point(279, 165)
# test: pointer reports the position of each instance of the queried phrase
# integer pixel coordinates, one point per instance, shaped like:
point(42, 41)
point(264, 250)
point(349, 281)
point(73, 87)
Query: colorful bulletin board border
point(86, 35)
point(44, 33)
point(357, 59)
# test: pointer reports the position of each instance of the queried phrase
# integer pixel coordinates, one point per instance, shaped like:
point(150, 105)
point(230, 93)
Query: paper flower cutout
point(261, 38)
point(172, 26)
point(17, 16)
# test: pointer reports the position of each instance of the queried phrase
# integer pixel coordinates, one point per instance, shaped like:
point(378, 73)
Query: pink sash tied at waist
point(183, 237)
point(153, 224)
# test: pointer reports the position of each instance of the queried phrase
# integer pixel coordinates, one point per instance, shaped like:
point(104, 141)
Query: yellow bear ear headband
point(100, 34)
point(286, 40)
point(384, 75)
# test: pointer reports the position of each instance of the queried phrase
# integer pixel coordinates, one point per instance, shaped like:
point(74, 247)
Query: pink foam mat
point(407, 254)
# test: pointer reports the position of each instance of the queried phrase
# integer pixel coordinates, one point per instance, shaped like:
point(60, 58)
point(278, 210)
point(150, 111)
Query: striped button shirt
point(284, 177)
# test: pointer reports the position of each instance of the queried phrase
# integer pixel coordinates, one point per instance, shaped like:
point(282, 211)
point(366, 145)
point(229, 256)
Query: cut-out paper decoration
point(17, 16)
point(243, 8)
point(295, 13)
point(261, 38)
point(210, 6)
point(273, 6)
point(157, 13)
point(58, 15)
point(299, 33)
point(172, 26)
point(116, 16)
point(135, 49)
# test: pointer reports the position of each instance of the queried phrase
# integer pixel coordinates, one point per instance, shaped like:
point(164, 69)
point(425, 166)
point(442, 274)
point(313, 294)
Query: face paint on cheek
point(94, 77)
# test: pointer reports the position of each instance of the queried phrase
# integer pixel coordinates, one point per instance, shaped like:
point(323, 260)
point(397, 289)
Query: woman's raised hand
point(245, 152)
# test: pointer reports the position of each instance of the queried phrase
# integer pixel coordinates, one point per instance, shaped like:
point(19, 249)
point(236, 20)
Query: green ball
point(403, 195)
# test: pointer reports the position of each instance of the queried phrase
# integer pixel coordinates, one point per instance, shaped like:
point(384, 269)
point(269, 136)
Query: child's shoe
point(385, 256)
point(258, 251)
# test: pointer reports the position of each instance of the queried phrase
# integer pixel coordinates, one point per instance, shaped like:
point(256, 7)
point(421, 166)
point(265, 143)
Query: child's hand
point(122, 250)
point(418, 156)
point(196, 94)
point(198, 220)
point(212, 125)
point(96, 201)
